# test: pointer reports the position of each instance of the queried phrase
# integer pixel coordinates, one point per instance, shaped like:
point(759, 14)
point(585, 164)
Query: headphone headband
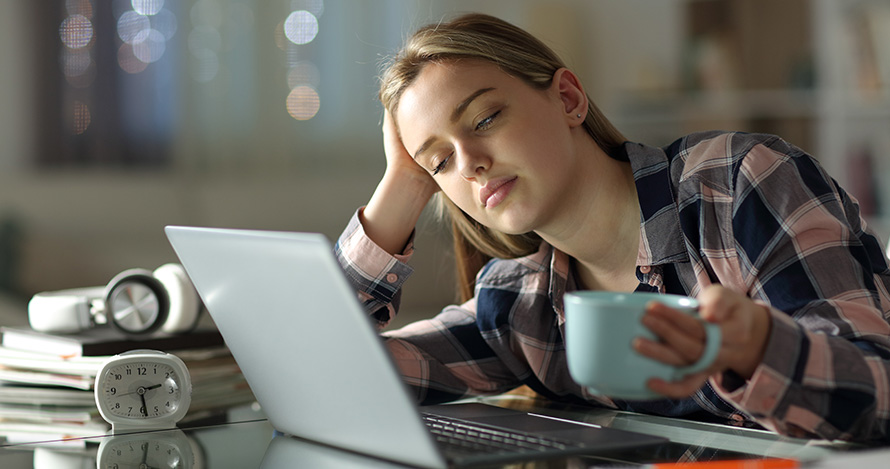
point(63, 311)
point(136, 301)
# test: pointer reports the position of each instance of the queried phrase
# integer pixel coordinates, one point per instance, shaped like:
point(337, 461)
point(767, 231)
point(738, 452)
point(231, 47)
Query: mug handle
point(714, 338)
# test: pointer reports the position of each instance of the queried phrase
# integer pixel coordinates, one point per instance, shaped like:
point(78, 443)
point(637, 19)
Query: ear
point(571, 94)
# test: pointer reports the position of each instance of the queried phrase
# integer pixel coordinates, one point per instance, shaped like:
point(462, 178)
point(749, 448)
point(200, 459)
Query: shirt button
point(392, 278)
point(645, 269)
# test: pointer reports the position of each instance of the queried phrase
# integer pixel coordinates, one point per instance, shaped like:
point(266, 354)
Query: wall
point(81, 229)
point(81, 226)
point(15, 90)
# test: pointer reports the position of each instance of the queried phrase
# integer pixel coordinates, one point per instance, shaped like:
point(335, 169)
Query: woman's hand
point(402, 193)
point(399, 162)
point(745, 327)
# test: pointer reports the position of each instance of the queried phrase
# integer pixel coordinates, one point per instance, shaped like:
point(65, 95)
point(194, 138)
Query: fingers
point(717, 303)
point(733, 310)
point(389, 125)
point(391, 140)
point(681, 337)
point(659, 351)
point(681, 342)
point(679, 321)
point(401, 165)
point(678, 389)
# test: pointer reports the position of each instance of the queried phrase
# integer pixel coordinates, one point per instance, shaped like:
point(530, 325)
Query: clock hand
point(144, 405)
point(142, 389)
point(144, 464)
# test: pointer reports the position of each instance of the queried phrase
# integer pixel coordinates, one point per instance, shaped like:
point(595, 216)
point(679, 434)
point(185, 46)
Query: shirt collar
point(661, 239)
point(559, 281)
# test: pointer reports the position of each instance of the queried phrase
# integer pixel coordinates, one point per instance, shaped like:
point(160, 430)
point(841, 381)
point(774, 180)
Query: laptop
point(319, 369)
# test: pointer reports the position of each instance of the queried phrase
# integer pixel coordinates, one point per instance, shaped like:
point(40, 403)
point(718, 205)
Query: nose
point(472, 160)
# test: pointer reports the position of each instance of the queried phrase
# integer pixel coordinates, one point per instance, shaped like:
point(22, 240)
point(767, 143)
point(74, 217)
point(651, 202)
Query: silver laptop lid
point(302, 340)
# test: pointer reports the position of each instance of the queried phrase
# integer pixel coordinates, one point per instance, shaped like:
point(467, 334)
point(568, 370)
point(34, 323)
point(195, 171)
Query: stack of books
point(46, 380)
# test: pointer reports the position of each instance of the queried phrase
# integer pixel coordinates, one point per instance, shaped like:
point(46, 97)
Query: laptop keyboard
point(458, 436)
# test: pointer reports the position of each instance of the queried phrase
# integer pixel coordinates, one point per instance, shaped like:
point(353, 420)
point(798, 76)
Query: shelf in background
point(656, 107)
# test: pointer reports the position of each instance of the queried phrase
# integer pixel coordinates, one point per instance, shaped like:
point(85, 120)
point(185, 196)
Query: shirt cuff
point(355, 240)
point(761, 395)
point(372, 271)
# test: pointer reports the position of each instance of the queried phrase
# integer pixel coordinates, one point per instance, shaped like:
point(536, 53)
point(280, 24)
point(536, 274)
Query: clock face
point(141, 390)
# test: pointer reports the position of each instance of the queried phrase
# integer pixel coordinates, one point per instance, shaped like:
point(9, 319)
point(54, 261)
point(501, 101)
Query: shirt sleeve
point(376, 275)
point(446, 358)
point(802, 250)
point(441, 359)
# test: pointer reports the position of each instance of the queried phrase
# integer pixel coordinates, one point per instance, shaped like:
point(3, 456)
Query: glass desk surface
point(242, 438)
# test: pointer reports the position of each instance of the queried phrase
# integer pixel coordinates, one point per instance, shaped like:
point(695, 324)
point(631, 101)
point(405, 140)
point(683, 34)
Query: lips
point(493, 193)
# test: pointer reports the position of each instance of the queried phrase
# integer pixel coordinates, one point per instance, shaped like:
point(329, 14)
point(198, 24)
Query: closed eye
point(484, 124)
point(439, 167)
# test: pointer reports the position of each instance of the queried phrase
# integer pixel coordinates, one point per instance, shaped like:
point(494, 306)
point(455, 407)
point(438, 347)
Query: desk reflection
point(245, 439)
point(287, 452)
point(171, 449)
point(168, 449)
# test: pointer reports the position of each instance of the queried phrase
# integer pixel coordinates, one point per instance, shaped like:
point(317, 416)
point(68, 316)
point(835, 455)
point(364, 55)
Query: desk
point(244, 439)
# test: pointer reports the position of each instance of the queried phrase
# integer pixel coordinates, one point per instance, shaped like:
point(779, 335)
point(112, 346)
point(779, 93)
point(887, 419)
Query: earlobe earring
point(578, 116)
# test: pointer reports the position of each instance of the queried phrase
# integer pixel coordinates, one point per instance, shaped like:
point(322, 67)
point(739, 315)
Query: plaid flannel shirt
point(748, 211)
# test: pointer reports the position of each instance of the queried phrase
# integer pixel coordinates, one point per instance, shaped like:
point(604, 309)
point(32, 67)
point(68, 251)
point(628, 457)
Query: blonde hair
point(516, 52)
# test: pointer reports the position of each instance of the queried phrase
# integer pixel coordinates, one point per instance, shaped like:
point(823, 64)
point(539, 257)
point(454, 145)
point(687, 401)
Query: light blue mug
point(600, 327)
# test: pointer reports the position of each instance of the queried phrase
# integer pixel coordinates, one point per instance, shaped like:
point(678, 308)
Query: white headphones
point(135, 301)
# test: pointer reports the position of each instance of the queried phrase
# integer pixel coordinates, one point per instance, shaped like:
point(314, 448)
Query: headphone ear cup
point(136, 302)
point(185, 304)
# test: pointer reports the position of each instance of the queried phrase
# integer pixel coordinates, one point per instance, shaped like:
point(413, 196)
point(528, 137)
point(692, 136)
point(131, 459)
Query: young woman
point(545, 196)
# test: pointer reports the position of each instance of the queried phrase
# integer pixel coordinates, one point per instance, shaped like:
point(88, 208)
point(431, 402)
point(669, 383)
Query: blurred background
point(118, 117)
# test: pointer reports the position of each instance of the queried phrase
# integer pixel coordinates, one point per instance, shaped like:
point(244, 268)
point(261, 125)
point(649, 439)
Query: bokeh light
point(81, 117)
point(298, 29)
point(145, 29)
point(76, 31)
point(147, 7)
point(303, 103)
point(75, 62)
point(79, 7)
point(149, 46)
point(130, 25)
point(128, 61)
point(280, 39)
point(205, 65)
point(301, 27)
point(205, 42)
point(83, 80)
point(165, 22)
point(204, 37)
point(303, 73)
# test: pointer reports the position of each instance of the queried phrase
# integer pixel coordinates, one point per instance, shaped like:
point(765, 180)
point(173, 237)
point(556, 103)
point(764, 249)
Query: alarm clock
point(143, 390)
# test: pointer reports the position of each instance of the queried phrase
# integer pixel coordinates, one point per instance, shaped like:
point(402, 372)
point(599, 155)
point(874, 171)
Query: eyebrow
point(455, 116)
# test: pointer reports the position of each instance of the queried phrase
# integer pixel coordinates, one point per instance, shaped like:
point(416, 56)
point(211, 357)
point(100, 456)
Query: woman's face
point(499, 149)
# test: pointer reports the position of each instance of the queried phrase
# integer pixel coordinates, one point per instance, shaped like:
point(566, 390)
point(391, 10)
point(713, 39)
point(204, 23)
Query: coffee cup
point(600, 328)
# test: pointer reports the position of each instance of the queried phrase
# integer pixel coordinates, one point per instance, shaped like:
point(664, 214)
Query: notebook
point(318, 367)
